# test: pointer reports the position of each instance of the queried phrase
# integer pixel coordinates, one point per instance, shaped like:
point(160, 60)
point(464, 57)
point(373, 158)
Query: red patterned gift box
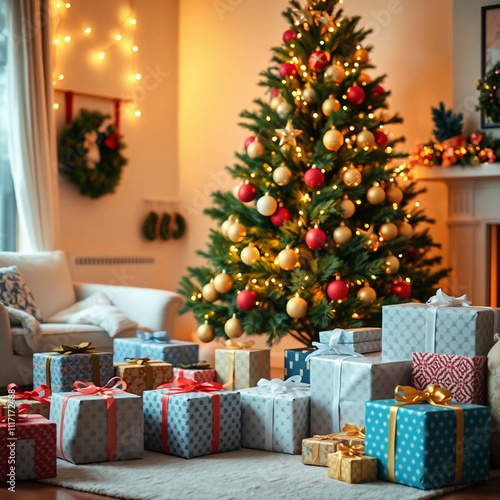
point(199, 372)
point(464, 376)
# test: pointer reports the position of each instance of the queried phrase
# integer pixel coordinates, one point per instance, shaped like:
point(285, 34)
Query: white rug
point(238, 475)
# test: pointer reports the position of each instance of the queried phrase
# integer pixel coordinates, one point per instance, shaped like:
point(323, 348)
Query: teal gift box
point(425, 453)
point(296, 364)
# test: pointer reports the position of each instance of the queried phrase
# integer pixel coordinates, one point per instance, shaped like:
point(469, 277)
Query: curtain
point(32, 147)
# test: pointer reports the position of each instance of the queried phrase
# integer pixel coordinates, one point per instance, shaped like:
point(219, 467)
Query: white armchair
point(47, 275)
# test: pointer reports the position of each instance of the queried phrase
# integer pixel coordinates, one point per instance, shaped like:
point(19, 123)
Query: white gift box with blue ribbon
point(360, 340)
point(444, 325)
point(275, 415)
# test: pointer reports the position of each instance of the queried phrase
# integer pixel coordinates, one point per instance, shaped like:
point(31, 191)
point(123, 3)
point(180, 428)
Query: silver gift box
point(361, 340)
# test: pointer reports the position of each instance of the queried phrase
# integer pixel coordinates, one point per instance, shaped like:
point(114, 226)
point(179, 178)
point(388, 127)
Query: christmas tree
point(320, 233)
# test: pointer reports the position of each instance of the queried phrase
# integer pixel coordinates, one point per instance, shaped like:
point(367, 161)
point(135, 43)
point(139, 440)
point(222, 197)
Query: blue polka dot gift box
point(188, 419)
point(275, 415)
point(296, 364)
point(98, 424)
point(58, 370)
point(425, 440)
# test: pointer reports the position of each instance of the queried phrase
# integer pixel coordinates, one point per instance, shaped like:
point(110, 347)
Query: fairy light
point(101, 55)
point(67, 38)
point(56, 106)
point(137, 113)
point(87, 30)
point(133, 21)
point(135, 48)
point(138, 76)
point(61, 77)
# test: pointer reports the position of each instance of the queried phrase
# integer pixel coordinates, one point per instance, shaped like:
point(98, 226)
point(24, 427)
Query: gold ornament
point(405, 230)
point(394, 194)
point(296, 307)
point(275, 102)
point(333, 140)
point(266, 205)
point(367, 294)
point(223, 282)
point(284, 109)
point(233, 327)
point(255, 149)
point(250, 255)
point(375, 195)
point(226, 224)
point(342, 234)
point(352, 177)
point(287, 259)
point(309, 95)
point(388, 231)
point(209, 292)
point(331, 105)
point(361, 55)
point(364, 78)
point(236, 232)
point(391, 264)
point(365, 139)
point(347, 208)
point(282, 175)
point(288, 134)
point(205, 332)
point(336, 73)
point(372, 243)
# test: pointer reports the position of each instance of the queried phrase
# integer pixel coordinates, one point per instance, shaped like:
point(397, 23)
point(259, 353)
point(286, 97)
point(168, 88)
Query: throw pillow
point(14, 292)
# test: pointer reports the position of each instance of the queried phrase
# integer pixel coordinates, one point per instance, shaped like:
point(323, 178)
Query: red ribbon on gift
point(114, 386)
point(40, 394)
point(182, 385)
point(19, 411)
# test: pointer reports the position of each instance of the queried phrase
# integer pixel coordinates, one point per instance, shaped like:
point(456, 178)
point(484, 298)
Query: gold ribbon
point(350, 450)
point(232, 344)
point(353, 431)
point(437, 396)
point(82, 348)
point(235, 346)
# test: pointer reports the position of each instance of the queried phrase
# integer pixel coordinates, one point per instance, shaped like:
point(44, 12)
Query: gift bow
point(114, 385)
point(333, 347)
point(433, 394)
point(354, 431)
point(443, 300)
point(137, 361)
point(40, 394)
point(350, 451)
point(182, 384)
point(232, 344)
point(200, 365)
point(82, 348)
point(160, 336)
point(278, 386)
point(18, 411)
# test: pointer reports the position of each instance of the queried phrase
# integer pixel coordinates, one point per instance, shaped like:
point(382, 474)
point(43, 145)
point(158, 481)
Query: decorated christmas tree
point(322, 230)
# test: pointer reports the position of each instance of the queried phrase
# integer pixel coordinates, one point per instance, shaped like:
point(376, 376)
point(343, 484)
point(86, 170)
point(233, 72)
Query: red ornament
point(337, 290)
point(246, 193)
point(314, 177)
point(355, 95)
point(289, 35)
point(318, 60)
point(281, 215)
point(246, 300)
point(381, 138)
point(401, 289)
point(315, 238)
point(378, 91)
point(275, 92)
point(412, 255)
point(112, 140)
point(249, 140)
point(287, 69)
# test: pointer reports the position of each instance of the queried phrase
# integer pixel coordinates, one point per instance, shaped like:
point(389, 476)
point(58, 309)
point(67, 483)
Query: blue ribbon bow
point(160, 337)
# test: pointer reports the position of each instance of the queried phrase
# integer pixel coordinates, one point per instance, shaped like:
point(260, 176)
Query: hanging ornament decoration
point(296, 307)
point(342, 234)
point(279, 217)
point(284, 109)
point(355, 95)
point(352, 177)
point(255, 149)
point(266, 205)
point(250, 255)
point(336, 73)
point(330, 105)
point(364, 78)
point(314, 177)
point(378, 91)
point(372, 243)
point(288, 135)
point(226, 224)
point(205, 332)
point(233, 327)
point(333, 139)
point(412, 255)
point(405, 230)
point(401, 289)
point(381, 138)
point(375, 195)
point(90, 154)
point(394, 194)
point(246, 192)
point(309, 95)
point(337, 290)
point(248, 141)
point(282, 175)
point(210, 294)
point(315, 238)
point(361, 55)
point(236, 232)
point(347, 208)
point(367, 294)
point(318, 60)
point(246, 300)
point(276, 101)
point(223, 282)
point(287, 70)
point(391, 264)
point(289, 35)
point(288, 259)
point(388, 231)
point(365, 139)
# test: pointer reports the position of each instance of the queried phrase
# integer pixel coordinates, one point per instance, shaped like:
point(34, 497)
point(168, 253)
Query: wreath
point(488, 86)
point(89, 153)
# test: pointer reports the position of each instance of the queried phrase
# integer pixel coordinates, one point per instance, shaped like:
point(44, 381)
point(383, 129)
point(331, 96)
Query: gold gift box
point(144, 377)
point(315, 449)
point(352, 469)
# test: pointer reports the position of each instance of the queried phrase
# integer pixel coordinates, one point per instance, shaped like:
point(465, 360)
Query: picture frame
point(490, 47)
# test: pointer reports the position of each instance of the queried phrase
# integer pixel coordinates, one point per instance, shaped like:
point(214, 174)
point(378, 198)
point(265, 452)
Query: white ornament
point(282, 175)
point(266, 205)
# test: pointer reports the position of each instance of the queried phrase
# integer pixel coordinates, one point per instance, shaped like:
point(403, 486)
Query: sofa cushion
point(47, 275)
point(14, 292)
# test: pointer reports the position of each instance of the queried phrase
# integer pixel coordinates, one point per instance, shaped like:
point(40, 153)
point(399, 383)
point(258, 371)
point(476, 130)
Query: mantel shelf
point(457, 172)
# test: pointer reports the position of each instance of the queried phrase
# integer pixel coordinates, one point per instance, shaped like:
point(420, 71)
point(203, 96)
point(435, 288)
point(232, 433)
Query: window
point(8, 210)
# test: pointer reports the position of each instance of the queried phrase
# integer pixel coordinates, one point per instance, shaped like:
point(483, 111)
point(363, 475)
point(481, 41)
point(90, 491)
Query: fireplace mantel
point(483, 171)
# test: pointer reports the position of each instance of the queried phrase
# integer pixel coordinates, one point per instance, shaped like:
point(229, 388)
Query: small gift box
point(98, 424)
point(27, 446)
point(445, 325)
point(58, 370)
point(361, 340)
point(296, 364)
point(464, 376)
point(275, 415)
point(188, 419)
point(240, 365)
point(199, 372)
point(315, 449)
point(37, 400)
point(155, 346)
point(351, 465)
point(142, 374)
point(426, 445)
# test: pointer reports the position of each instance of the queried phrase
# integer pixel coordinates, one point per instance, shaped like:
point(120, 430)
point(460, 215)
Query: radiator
point(113, 270)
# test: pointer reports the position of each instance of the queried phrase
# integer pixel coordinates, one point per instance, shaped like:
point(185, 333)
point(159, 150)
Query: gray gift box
point(361, 340)
point(463, 331)
point(274, 422)
point(341, 385)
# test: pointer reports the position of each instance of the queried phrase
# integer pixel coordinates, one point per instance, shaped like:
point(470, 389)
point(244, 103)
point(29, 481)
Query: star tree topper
point(288, 134)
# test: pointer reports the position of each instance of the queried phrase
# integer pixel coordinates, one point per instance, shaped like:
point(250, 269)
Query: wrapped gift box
point(340, 386)
point(464, 376)
point(170, 351)
point(64, 370)
point(242, 368)
point(144, 375)
point(183, 424)
point(361, 469)
point(361, 340)
point(27, 450)
point(463, 331)
point(274, 422)
point(38, 400)
point(296, 364)
point(196, 374)
point(84, 435)
point(425, 443)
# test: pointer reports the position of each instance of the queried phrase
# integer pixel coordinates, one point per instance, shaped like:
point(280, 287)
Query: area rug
point(238, 475)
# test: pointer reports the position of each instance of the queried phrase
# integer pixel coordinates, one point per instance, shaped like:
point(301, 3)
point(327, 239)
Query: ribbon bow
point(278, 386)
point(333, 347)
point(137, 361)
point(114, 385)
point(354, 431)
point(232, 344)
point(82, 348)
point(161, 336)
point(350, 451)
point(200, 365)
point(443, 300)
point(40, 394)
point(433, 394)
point(14, 412)
point(181, 385)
